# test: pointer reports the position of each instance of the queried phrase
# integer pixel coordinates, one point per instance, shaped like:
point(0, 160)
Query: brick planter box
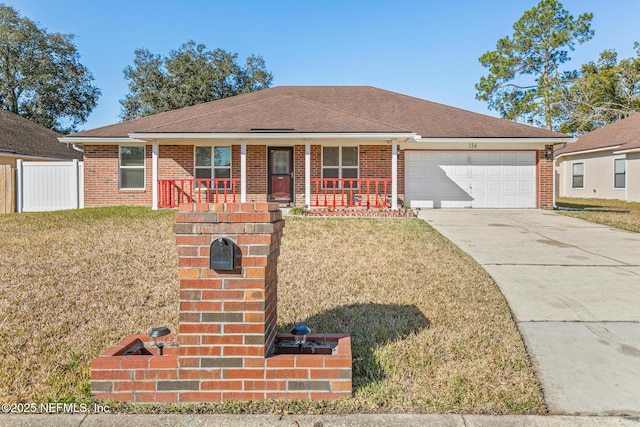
point(227, 333)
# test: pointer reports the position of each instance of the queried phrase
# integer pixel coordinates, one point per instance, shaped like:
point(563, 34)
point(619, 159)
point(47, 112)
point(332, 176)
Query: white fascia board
point(630, 150)
point(492, 144)
point(102, 140)
point(274, 135)
point(595, 150)
point(545, 141)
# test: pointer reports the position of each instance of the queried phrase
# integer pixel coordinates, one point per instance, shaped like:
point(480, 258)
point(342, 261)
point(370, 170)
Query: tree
point(41, 77)
point(188, 76)
point(602, 92)
point(525, 80)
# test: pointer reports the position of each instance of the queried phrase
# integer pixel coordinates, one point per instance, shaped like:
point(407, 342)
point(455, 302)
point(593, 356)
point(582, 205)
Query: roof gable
point(320, 109)
point(623, 134)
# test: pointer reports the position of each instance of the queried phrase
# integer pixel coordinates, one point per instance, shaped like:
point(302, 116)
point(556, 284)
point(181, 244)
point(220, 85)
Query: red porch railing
point(350, 192)
point(172, 192)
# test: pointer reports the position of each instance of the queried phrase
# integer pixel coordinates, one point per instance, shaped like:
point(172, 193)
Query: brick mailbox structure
point(227, 340)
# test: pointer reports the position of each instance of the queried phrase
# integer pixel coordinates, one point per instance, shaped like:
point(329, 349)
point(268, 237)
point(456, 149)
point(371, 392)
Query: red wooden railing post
point(335, 182)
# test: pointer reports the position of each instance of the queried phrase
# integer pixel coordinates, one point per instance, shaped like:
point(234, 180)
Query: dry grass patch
point(626, 221)
point(73, 284)
point(430, 330)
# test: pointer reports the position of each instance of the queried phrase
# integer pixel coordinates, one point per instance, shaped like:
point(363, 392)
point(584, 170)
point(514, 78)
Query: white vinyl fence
point(49, 186)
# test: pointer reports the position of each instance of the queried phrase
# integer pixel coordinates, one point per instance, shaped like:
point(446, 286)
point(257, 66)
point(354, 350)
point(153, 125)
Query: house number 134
point(473, 145)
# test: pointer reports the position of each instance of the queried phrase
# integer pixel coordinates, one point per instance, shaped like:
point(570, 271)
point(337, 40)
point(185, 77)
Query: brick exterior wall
point(101, 169)
point(544, 170)
point(101, 178)
point(227, 324)
point(375, 162)
point(256, 173)
point(177, 162)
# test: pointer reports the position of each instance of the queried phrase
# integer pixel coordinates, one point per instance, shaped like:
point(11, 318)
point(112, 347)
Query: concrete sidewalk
point(391, 420)
point(574, 290)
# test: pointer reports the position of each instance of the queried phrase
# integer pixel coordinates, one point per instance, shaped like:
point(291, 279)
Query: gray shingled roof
point(624, 133)
point(21, 137)
point(318, 109)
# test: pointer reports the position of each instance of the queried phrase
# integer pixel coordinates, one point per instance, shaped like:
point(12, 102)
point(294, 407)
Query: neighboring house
point(21, 139)
point(320, 147)
point(604, 163)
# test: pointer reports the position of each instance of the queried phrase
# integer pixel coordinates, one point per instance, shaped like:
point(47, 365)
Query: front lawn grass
point(626, 221)
point(431, 332)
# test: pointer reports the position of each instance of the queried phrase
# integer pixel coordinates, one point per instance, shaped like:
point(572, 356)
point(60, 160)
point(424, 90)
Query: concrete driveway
point(574, 290)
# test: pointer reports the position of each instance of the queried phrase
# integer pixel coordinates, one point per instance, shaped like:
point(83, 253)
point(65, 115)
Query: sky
point(423, 48)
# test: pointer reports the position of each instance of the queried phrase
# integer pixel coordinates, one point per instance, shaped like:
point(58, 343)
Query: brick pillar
point(545, 179)
point(228, 318)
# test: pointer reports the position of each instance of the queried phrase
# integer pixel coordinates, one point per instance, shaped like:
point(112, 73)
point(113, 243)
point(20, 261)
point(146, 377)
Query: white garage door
point(470, 179)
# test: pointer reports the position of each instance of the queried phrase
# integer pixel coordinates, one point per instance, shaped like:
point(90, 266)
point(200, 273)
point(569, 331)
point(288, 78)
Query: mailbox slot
point(223, 254)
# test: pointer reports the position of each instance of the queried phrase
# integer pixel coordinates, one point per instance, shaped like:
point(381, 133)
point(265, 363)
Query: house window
point(577, 175)
point(340, 162)
point(213, 163)
point(131, 176)
point(619, 173)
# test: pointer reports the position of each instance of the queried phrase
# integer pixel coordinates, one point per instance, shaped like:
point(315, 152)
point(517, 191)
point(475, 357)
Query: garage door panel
point(459, 171)
point(478, 171)
point(510, 171)
point(476, 179)
point(510, 201)
point(494, 171)
point(526, 187)
point(494, 200)
point(511, 186)
point(496, 186)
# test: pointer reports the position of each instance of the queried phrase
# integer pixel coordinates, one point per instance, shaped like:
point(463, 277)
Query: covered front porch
point(293, 174)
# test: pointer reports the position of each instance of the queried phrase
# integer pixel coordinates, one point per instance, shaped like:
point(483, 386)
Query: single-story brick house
point(328, 146)
point(604, 163)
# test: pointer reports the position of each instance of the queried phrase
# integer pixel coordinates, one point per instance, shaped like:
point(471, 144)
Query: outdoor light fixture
point(157, 333)
point(548, 153)
point(301, 331)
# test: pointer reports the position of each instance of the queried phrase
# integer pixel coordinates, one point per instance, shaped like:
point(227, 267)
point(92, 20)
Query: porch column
point(307, 174)
point(394, 175)
point(154, 176)
point(243, 172)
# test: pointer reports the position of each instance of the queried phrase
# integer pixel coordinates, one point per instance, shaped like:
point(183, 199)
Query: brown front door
point(280, 174)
